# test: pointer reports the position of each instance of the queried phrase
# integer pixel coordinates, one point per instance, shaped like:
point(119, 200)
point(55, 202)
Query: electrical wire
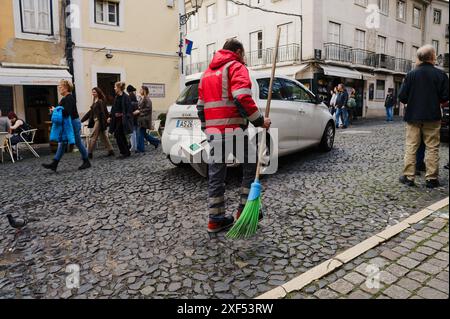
point(265, 10)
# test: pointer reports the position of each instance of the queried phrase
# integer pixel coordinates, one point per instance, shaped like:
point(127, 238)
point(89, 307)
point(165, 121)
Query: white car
point(302, 121)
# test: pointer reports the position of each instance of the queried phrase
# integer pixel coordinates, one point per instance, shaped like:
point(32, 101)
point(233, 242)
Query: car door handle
point(301, 111)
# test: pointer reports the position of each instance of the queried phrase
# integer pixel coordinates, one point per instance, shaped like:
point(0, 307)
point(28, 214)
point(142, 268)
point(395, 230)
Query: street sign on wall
point(157, 90)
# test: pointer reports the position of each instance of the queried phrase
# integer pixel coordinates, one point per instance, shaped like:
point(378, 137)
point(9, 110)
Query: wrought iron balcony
point(286, 53)
point(384, 61)
point(196, 67)
point(363, 57)
point(338, 52)
point(403, 65)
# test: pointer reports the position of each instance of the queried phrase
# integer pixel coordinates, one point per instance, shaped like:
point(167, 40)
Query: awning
point(32, 76)
point(292, 70)
point(341, 72)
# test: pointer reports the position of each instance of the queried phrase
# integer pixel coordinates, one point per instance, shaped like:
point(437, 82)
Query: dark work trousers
point(218, 171)
point(121, 139)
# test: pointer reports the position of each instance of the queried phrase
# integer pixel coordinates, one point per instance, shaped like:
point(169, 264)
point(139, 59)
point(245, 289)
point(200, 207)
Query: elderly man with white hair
point(423, 91)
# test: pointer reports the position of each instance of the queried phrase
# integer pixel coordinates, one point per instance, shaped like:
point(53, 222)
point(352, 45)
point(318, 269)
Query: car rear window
point(189, 96)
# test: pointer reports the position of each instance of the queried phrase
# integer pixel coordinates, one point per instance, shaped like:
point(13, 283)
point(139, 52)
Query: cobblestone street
point(137, 227)
point(412, 265)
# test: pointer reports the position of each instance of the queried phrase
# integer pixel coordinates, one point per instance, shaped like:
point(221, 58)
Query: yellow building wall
point(27, 51)
point(149, 34)
point(138, 69)
point(148, 25)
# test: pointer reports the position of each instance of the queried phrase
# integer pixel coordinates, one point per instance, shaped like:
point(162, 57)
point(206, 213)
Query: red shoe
point(220, 224)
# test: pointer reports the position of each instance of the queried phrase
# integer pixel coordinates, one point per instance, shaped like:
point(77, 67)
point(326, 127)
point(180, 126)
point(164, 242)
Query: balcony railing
point(258, 58)
point(384, 61)
point(338, 52)
point(363, 57)
point(402, 65)
point(286, 53)
point(196, 67)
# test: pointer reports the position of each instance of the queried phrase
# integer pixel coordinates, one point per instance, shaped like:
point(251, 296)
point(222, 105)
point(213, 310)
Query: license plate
point(185, 123)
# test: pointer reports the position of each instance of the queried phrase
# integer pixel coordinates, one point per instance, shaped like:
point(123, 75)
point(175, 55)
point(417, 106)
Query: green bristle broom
point(247, 225)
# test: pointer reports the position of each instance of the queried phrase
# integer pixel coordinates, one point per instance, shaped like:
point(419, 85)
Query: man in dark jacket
point(423, 91)
point(389, 105)
point(341, 106)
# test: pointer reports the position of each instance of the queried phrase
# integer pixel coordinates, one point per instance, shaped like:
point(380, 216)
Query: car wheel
point(180, 164)
point(327, 142)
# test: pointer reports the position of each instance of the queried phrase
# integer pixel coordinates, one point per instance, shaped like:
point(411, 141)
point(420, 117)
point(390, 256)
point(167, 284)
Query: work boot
point(53, 166)
point(219, 224)
point(406, 181)
point(86, 165)
point(432, 183)
point(110, 154)
point(90, 156)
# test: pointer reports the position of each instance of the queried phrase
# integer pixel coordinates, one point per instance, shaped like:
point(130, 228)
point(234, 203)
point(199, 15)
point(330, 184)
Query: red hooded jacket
point(225, 95)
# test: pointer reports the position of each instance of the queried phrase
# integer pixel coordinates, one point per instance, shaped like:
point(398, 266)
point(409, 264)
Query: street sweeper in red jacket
point(225, 108)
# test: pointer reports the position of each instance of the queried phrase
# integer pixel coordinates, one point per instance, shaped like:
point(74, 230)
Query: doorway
point(106, 81)
point(37, 101)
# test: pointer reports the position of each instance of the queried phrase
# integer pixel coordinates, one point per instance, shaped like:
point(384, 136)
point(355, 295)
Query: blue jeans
point(133, 139)
point(76, 123)
point(344, 113)
point(142, 135)
point(390, 113)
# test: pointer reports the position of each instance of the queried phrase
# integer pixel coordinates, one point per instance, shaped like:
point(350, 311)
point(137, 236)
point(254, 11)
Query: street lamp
point(196, 4)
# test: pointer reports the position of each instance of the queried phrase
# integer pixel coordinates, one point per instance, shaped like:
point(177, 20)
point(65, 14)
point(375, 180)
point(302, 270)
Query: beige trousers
point(96, 133)
point(430, 132)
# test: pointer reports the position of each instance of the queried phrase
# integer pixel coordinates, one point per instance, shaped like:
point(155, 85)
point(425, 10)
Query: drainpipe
point(69, 43)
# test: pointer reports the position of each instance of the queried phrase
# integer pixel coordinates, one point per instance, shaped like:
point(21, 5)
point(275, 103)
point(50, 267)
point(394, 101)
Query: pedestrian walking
point(423, 91)
point(389, 105)
point(351, 105)
point(97, 118)
point(131, 90)
point(69, 114)
point(226, 105)
point(121, 119)
point(332, 106)
point(341, 106)
point(144, 121)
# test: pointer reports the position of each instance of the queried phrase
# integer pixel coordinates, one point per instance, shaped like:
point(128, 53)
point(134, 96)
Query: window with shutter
point(36, 16)
point(44, 21)
point(107, 12)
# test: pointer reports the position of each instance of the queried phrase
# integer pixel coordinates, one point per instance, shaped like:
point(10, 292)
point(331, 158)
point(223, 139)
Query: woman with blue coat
point(70, 113)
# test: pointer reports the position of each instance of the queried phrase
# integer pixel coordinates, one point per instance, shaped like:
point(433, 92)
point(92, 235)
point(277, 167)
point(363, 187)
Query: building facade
point(133, 41)
point(369, 45)
point(32, 59)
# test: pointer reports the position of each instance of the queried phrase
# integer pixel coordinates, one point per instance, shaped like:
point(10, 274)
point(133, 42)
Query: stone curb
point(330, 265)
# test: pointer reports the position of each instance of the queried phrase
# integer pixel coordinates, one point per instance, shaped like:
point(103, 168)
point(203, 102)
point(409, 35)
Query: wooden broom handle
point(269, 102)
point(272, 77)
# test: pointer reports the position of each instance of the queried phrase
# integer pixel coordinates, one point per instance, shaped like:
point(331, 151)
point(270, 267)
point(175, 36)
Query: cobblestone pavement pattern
point(137, 227)
point(412, 265)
